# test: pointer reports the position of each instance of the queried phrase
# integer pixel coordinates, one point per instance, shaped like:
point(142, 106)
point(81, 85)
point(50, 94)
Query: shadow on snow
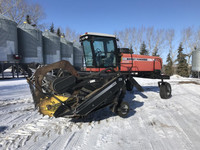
point(3, 128)
point(105, 113)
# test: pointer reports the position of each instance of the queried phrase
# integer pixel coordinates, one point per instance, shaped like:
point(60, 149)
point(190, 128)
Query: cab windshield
point(99, 52)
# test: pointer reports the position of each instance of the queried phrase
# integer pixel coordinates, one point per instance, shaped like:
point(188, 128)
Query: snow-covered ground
point(153, 123)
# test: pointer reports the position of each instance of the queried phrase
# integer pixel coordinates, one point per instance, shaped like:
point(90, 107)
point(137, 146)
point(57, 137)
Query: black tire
point(123, 109)
point(129, 85)
point(165, 90)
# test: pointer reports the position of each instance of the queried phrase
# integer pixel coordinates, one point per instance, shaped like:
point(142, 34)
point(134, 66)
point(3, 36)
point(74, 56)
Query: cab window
point(88, 53)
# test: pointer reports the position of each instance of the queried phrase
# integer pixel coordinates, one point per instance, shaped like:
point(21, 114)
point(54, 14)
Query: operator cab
point(100, 50)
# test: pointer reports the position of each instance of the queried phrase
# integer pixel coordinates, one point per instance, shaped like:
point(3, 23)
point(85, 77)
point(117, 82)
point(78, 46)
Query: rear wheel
point(165, 90)
point(123, 109)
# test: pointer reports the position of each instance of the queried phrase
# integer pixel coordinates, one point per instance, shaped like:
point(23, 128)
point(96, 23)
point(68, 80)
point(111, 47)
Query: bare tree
point(116, 33)
point(187, 38)
point(36, 12)
point(71, 35)
point(140, 38)
point(14, 9)
point(124, 38)
point(5, 6)
point(133, 39)
point(136, 38)
point(18, 9)
point(43, 26)
point(150, 36)
point(155, 40)
point(170, 35)
point(190, 39)
point(158, 41)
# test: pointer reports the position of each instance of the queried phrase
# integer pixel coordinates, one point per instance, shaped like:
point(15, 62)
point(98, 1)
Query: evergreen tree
point(143, 50)
point(182, 66)
point(169, 67)
point(155, 51)
point(28, 19)
point(58, 32)
point(52, 28)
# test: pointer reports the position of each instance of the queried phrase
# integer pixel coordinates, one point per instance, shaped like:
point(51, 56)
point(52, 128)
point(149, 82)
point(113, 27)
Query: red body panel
point(140, 63)
point(135, 63)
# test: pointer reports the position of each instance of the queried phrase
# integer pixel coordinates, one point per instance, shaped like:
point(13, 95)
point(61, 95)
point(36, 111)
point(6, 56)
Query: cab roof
point(99, 34)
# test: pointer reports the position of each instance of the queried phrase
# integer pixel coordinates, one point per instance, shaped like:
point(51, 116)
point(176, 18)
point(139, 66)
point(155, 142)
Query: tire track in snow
point(154, 123)
point(187, 107)
point(11, 106)
point(18, 135)
point(158, 124)
point(16, 119)
point(163, 125)
point(74, 140)
point(87, 138)
point(40, 128)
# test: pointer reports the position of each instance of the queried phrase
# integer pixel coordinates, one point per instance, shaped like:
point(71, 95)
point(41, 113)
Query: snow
point(153, 123)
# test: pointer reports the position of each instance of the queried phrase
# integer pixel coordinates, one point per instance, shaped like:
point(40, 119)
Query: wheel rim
point(168, 90)
point(124, 109)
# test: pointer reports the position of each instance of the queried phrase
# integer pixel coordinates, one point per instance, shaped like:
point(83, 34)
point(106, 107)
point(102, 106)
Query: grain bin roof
point(2, 17)
point(27, 26)
point(64, 40)
point(47, 33)
point(76, 44)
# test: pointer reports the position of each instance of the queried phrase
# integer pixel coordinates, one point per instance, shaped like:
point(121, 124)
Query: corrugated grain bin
point(8, 39)
point(51, 47)
point(78, 56)
point(30, 44)
point(66, 48)
point(196, 60)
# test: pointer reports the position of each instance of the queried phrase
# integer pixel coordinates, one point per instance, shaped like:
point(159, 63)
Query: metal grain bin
point(66, 48)
point(8, 39)
point(78, 56)
point(30, 44)
point(196, 60)
point(51, 47)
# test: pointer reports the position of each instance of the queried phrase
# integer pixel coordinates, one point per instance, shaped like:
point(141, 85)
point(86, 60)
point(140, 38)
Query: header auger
point(59, 90)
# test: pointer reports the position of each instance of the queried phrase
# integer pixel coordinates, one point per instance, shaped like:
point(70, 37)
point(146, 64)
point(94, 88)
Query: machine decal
point(138, 59)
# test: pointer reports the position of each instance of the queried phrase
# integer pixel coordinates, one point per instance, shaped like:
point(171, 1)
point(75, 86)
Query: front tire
point(165, 90)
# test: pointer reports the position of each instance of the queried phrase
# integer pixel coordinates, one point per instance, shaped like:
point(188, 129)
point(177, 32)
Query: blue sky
point(107, 16)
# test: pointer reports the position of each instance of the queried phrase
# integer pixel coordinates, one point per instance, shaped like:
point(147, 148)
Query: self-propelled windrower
point(59, 90)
